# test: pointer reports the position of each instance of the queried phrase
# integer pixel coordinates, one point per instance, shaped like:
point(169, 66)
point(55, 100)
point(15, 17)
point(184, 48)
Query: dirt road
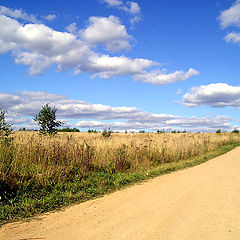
point(197, 203)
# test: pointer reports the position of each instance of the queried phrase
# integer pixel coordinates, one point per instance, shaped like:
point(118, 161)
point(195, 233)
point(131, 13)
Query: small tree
point(218, 131)
point(46, 118)
point(5, 129)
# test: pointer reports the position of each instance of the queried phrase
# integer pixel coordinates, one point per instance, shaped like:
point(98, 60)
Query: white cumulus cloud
point(214, 95)
point(113, 3)
point(233, 37)
point(160, 78)
point(107, 66)
point(130, 7)
point(231, 16)
point(18, 14)
point(50, 17)
point(39, 46)
point(107, 31)
point(72, 28)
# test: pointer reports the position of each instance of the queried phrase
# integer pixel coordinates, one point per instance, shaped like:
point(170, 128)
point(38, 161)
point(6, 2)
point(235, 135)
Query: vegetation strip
point(32, 195)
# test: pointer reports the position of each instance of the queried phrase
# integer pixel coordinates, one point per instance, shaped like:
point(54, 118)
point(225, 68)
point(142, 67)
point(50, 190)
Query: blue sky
point(122, 64)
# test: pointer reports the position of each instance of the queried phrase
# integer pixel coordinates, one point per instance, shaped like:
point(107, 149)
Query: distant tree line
point(92, 131)
point(48, 123)
point(233, 131)
point(68, 130)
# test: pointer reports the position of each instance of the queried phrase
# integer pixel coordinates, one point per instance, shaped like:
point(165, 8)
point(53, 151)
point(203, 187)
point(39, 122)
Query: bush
point(106, 133)
point(235, 131)
point(218, 131)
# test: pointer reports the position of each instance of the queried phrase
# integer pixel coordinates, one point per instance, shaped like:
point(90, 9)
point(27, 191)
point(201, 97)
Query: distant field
point(40, 173)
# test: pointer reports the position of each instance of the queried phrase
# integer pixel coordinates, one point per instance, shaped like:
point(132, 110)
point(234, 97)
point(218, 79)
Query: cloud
point(134, 9)
point(179, 91)
point(29, 104)
point(135, 19)
point(194, 124)
point(36, 96)
point(50, 17)
point(231, 16)
point(72, 28)
point(107, 31)
point(39, 46)
point(37, 38)
point(113, 3)
point(18, 120)
point(8, 100)
point(160, 78)
point(130, 7)
point(232, 37)
point(107, 66)
point(17, 14)
point(214, 95)
point(23, 106)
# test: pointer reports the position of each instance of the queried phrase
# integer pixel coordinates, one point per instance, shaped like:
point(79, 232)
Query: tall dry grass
point(38, 173)
point(51, 156)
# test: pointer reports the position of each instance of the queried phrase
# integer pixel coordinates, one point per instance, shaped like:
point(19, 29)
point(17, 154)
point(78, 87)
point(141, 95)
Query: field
point(41, 173)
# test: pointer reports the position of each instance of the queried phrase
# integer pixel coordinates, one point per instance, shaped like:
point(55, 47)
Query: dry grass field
point(121, 151)
point(41, 173)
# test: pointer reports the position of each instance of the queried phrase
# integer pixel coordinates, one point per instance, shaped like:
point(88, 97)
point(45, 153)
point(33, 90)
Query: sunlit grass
point(40, 173)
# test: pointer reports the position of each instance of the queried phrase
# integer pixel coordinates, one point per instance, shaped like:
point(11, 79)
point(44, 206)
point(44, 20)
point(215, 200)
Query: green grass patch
point(33, 197)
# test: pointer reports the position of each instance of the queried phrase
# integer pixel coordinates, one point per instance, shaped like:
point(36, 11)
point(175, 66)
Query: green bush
point(106, 133)
point(235, 131)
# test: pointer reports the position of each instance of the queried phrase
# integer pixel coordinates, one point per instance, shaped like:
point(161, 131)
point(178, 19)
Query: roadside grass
point(48, 182)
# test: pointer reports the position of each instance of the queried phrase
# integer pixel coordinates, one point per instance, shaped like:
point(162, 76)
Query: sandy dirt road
point(197, 203)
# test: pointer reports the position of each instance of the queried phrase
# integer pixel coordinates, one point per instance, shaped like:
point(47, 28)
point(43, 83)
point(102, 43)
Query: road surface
point(202, 202)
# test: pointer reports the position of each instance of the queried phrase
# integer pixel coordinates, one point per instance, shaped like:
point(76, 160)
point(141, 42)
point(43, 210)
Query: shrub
point(235, 131)
point(106, 133)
